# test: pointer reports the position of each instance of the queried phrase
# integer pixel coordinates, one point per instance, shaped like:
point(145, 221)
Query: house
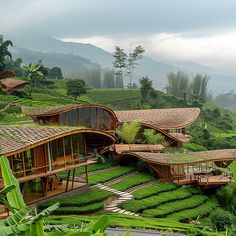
point(45, 160)
point(10, 85)
point(82, 115)
point(203, 168)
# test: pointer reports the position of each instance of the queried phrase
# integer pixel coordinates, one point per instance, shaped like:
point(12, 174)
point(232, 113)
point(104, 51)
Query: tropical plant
point(4, 53)
point(129, 131)
point(33, 74)
point(151, 137)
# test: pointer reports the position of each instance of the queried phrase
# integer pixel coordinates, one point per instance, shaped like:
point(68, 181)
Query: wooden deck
point(205, 181)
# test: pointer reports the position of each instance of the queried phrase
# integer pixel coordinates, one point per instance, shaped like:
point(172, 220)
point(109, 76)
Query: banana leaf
point(14, 197)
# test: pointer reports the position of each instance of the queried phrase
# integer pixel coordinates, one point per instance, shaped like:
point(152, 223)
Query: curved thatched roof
point(10, 84)
point(41, 111)
point(16, 139)
point(165, 119)
point(7, 74)
point(184, 158)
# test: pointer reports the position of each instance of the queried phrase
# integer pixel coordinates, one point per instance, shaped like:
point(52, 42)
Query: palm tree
point(4, 53)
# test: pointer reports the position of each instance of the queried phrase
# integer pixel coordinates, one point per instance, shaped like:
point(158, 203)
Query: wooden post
point(67, 180)
point(73, 179)
point(86, 171)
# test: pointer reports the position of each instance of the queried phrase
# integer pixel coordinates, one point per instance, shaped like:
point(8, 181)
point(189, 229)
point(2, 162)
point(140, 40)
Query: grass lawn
point(108, 175)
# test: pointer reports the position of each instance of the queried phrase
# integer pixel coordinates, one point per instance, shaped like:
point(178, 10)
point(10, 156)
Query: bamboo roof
point(165, 119)
point(7, 74)
point(122, 148)
point(9, 84)
point(40, 111)
point(15, 139)
point(184, 158)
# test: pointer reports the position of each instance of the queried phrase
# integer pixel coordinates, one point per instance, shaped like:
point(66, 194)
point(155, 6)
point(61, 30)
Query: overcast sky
point(202, 31)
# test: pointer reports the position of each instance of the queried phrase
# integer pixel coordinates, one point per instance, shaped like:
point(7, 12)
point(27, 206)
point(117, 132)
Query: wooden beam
point(67, 180)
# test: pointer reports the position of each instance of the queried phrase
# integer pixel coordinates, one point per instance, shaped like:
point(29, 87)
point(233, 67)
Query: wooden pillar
point(86, 173)
point(73, 179)
point(67, 180)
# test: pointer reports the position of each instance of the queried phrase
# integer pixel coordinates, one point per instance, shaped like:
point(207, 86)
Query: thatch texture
point(122, 148)
point(184, 158)
point(16, 139)
point(174, 118)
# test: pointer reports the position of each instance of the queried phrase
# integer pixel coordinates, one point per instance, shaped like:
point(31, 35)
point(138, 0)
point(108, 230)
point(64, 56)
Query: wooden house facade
point(45, 160)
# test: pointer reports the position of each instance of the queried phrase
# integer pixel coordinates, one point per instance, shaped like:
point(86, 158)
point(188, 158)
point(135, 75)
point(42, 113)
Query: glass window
point(93, 117)
point(81, 117)
point(29, 162)
point(87, 117)
point(62, 118)
point(67, 143)
point(75, 117)
point(69, 118)
point(75, 145)
point(100, 118)
point(107, 121)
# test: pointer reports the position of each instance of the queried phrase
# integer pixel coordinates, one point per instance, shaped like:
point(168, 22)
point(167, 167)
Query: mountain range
point(75, 58)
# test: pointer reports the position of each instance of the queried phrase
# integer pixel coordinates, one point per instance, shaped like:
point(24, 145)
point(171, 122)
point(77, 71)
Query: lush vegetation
point(153, 190)
point(108, 175)
point(156, 200)
point(132, 181)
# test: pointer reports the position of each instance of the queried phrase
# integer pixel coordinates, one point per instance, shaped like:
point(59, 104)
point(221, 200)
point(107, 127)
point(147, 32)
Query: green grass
point(93, 196)
point(108, 175)
point(195, 213)
point(153, 190)
point(154, 201)
point(127, 222)
point(132, 181)
point(176, 206)
point(71, 210)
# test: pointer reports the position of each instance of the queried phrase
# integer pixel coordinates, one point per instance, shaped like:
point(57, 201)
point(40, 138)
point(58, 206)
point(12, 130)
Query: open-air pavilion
point(206, 168)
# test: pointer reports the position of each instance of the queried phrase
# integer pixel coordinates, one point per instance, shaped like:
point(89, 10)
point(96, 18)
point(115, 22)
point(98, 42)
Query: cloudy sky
point(202, 31)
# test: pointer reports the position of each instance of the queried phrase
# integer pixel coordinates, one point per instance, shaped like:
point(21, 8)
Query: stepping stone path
point(114, 205)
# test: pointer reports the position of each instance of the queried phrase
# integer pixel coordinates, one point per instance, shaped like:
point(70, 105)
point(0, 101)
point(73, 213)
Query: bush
point(193, 147)
point(221, 218)
point(152, 137)
point(172, 207)
point(154, 190)
point(195, 213)
point(108, 175)
point(154, 201)
point(132, 181)
point(93, 196)
point(79, 210)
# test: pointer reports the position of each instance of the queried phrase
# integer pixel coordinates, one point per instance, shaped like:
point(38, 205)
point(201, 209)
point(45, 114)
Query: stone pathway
point(114, 205)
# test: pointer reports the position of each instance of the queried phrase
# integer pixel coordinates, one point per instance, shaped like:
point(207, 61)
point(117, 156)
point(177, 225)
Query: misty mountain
point(76, 57)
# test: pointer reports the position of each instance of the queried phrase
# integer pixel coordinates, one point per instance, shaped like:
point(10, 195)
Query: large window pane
point(100, 119)
point(87, 117)
point(62, 118)
point(81, 117)
point(69, 118)
point(75, 117)
point(93, 117)
point(67, 143)
point(107, 121)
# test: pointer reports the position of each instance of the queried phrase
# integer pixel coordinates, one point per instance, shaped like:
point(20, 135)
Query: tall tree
point(4, 52)
point(75, 88)
point(146, 90)
point(119, 63)
point(55, 73)
point(132, 62)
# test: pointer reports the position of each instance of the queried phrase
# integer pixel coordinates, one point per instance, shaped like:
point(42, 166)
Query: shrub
point(169, 208)
point(193, 190)
point(154, 190)
point(192, 214)
point(132, 181)
point(79, 210)
point(152, 137)
point(108, 175)
point(154, 201)
point(221, 218)
point(93, 196)
point(129, 131)
point(193, 147)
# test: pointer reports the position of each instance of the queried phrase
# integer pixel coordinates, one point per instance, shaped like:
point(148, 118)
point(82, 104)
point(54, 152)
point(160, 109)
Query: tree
point(119, 63)
point(146, 90)
point(93, 77)
point(55, 73)
point(129, 131)
point(134, 56)
point(178, 85)
point(4, 53)
point(33, 74)
point(15, 65)
point(75, 88)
